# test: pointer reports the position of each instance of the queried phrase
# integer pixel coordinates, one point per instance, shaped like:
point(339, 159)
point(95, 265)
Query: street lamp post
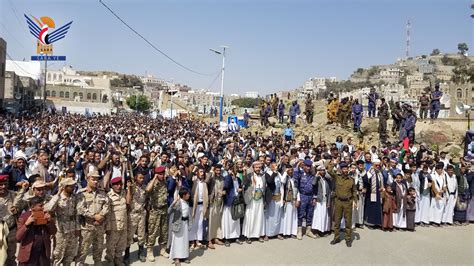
point(222, 79)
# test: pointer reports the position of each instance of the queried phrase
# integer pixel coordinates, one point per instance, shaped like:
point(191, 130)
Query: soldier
point(262, 114)
point(216, 207)
point(294, 111)
point(281, 111)
point(158, 216)
point(116, 225)
point(333, 106)
point(93, 206)
point(345, 200)
point(38, 189)
point(137, 216)
point(397, 118)
point(8, 213)
point(357, 113)
point(274, 104)
point(63, 206)
point(435, 102)
point(424, 105)
point(383, 116)
point(409, 125)
point(304, 180)
point(309, 110)
point(345, 111)
point(373, 97)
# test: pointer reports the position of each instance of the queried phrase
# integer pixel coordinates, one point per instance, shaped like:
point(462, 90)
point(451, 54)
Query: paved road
point(445, 245)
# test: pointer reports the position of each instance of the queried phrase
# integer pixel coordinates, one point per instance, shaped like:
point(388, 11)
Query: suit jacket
point(248, 187)
point(229, 190)
point(175, 213)
point(205, 199)
point(26, 236)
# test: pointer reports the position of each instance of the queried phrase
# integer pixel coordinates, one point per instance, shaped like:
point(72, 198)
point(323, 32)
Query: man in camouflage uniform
point(23, 197)
point(137, 215)
point(116, 223)
point(309, 110)
point(8, 214)
point(383, 116)
point(63, 207)
point(424, 106)
point(158, 216)
point(344, 111)
point(93, 206)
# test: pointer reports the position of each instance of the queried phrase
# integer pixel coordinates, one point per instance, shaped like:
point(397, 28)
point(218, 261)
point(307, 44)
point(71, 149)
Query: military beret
point(343, 164)
point(3, 178)
point(115, 180)
point(160, 169)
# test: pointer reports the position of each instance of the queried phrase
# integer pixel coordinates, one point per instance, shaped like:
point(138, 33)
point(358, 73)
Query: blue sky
point(274, 44)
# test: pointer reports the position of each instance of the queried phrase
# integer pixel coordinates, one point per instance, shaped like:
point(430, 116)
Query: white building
point(251, 94)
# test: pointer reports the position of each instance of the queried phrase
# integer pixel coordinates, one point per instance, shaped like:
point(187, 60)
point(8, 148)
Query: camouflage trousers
point(136, 224)
point(157, 227)
point(116, 244)
point(94, 237)
point(65, 249)
point(11, 247)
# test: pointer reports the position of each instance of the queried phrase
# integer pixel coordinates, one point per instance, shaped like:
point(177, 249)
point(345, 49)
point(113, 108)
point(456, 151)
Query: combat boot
point(141, 254)
point(149, 254)
point(299, 235)
point(118, 261)
point(163, 252)
point(126, 257)
point(309, 232)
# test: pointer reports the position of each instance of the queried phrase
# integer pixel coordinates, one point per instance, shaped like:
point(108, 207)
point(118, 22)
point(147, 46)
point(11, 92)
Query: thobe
point(452, 194)
point(425, 197)
point(416, 185)
point(254, 220)
point(197, 229)
point(438, 205)
point(273, 211)
point(358, 214)
point(216, 209)
point(230, 227)
point(321, 221)
point(373, 182)
point(399, 218)
point(180, 240)
point(289, 222)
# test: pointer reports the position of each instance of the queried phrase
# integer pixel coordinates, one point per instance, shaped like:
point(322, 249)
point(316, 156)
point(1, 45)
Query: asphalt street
point(439, 246)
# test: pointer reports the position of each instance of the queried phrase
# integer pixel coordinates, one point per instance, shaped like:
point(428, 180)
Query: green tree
point(140, 104)
point(246, 102)
point(436, 52)
point(462, 47)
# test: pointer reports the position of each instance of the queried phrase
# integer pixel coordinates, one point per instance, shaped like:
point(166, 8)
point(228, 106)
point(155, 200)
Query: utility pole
point(222, 80)
point(45, 79)
point(407, 52)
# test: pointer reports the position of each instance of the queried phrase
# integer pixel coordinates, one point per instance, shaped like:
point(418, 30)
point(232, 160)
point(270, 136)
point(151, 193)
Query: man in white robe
point(273, 198)
point(452, 194)
point(438, 187)
point(322, 194)
point(425, 195)
point(254, 220)
point(289, 222)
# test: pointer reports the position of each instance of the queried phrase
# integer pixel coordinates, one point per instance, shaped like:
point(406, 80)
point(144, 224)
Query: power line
point(13, 36)
point(13, 61)
point(212, 83)
point(151, 44)
point(17, 17)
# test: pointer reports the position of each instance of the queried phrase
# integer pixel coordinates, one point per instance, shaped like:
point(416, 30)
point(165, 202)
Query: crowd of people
point(71, 183)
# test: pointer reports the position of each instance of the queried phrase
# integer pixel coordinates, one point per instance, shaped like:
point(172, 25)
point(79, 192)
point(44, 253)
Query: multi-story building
point(391, 74)
point(3, 54)
point(69, 91)
point(22, 85)
point(463, 93)
point(203, 100)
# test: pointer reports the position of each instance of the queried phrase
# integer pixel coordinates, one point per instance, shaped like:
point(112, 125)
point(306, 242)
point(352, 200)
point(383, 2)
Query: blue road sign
point(49, 58)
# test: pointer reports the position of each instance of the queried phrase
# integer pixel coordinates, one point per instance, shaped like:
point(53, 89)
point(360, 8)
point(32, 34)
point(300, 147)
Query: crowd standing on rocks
point(69, 181)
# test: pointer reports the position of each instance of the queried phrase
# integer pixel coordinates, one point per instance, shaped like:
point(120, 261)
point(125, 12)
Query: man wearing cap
point(38, 189)
point(117, 222)
point(8, 215)
point(137, 216)
point(409, 124)
point(345, 199)
point(357, 113)
point(424, 105)
point(63, 207)
point(158, 215)
point(93, 207)
point(304, 179)
point(435, 102)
